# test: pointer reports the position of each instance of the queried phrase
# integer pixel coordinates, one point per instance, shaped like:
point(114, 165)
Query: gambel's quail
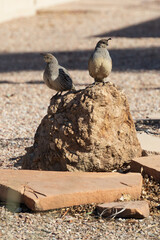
point(100, 62)
point(55, 76)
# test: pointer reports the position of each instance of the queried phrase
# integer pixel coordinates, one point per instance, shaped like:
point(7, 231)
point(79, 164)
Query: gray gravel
point(71, 32)
point(48, 226)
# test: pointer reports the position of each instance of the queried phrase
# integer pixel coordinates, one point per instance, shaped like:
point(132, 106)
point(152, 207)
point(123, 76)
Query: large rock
point(90, 130)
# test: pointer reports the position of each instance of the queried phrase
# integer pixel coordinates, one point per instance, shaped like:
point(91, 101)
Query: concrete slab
point(132, 209)
point(44, 190)
point(149, 142)
point(147, 165)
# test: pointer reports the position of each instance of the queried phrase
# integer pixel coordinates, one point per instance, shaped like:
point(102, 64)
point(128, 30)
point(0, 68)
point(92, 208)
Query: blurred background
point(70, 30)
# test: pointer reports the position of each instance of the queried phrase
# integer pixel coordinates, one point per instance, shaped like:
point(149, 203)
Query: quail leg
point(96, 83)
point(55, 96)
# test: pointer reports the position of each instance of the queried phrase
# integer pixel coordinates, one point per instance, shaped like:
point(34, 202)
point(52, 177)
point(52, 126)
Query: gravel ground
point(49, 226)
point(71, 31)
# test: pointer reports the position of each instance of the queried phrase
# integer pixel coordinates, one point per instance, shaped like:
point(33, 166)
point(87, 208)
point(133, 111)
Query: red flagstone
point(147, 165)
point(44, 190)
point(132, 209)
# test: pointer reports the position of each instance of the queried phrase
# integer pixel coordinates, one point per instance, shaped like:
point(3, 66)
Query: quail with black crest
point(100, 62)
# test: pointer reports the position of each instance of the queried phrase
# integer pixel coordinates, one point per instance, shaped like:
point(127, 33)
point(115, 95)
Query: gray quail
point(55, 76)
point(100, 62)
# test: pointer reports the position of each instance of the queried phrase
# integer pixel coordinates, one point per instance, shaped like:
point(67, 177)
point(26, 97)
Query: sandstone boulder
point(90, 130)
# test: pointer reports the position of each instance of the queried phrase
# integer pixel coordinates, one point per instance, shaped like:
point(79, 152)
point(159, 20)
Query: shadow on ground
point(32, 82)
point(19, 161)
point(123, 60)
point(142, 30)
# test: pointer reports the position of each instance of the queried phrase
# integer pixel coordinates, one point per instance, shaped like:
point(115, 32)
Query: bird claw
point(96, 83)
point(56, 95)
point(73, 91)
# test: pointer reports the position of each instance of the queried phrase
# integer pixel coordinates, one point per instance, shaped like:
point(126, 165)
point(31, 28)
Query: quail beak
point(43, 55)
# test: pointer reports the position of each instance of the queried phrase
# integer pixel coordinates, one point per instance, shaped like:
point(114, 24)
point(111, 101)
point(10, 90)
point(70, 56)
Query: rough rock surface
point(90, 130)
